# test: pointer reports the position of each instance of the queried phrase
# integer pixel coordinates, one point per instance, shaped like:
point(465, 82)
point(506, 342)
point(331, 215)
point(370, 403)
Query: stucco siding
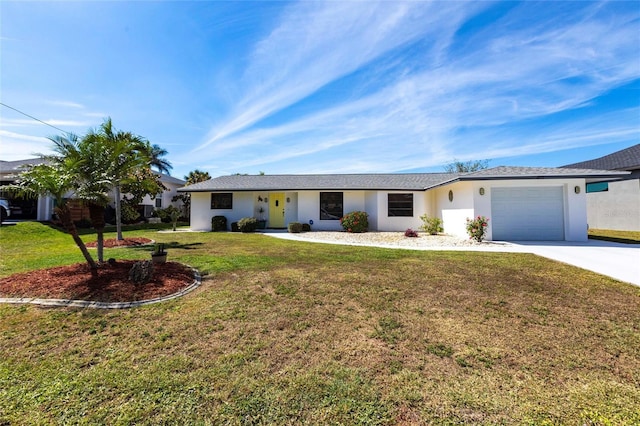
point(202, 213)
point(616, 209)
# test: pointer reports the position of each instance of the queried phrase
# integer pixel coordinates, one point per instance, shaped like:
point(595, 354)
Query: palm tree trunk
point(65, 217)
point(96, 211)
point(118, 213)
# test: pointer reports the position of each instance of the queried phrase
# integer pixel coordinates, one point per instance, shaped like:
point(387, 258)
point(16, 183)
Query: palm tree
point(118, 155)
point(56, 180)
point(196, 176)
point(91, 185)
point(155, 153)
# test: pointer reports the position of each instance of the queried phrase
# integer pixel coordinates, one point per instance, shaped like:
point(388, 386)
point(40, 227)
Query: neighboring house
point(614, 205)
point(522, 203)
point(164, 199)
point(42, 208)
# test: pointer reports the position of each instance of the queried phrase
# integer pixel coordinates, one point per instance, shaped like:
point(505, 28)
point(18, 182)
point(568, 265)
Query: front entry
point(276, 210)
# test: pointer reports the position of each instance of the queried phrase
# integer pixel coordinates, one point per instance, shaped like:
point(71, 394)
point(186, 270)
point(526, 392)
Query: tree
point(156, 161)
point(57, 180)
point(196, 176)
point(466, 167)
point(90, 186)
point(119, 159)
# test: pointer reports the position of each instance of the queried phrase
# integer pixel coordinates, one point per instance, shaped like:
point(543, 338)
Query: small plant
point(355, 222)
point(431, 225)
point(141, 272)
point(306, 227)
point(410, 233)
point(477, 228)
point(247, 224)
point(158, 250)
point(218, 223)
point(294, 227)
point(174, 214)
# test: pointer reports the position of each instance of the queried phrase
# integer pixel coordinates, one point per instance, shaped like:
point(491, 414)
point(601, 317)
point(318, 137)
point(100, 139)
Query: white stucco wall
point(202, 213)
point(468, 203)
point(454, 213)
point(617, 209)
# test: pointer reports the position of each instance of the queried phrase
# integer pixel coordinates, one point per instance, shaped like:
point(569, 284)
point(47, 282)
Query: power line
point(33, 118)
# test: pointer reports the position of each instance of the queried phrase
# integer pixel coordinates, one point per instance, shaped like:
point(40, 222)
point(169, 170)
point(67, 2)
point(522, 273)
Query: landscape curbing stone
point(68, 303)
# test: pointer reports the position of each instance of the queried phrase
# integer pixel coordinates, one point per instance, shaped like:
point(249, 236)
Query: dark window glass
point(223, 200)
point(331, 206)
point(400, 204)
point(597, 187)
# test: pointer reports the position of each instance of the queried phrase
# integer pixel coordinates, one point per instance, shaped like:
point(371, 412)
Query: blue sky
point(327, 87)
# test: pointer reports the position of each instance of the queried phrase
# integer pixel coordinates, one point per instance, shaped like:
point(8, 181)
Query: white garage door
point(527, 214)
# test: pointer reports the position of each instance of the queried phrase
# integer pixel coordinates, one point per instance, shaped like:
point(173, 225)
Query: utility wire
point(32, 117)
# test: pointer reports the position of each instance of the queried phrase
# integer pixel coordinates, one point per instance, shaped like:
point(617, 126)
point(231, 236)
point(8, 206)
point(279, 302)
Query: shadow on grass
point(112, 228)
point(167, 246)
point(614, 239)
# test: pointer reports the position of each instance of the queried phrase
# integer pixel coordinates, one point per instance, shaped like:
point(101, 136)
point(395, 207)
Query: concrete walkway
point(619, 261)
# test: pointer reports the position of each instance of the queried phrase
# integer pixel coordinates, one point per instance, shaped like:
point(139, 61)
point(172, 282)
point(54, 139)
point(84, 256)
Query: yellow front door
point(276, 210)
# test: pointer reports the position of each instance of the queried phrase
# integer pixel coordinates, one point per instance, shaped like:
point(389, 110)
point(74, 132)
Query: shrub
point(294, 227)
point(477, 228)
point(355, 222)
point(234, 227)
point(247, 224)
point(306, 227)
point(128, 213)
point(431, 225)
point(410, 233)
point(219, 223)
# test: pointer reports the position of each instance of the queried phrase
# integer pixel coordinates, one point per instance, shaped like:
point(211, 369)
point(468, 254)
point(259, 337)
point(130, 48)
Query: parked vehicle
point(5, 209)
point(8, 209)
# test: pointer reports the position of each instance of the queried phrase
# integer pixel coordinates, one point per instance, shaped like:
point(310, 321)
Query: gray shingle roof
point(389, 182)
point(626, 159)
point(509, 172)
point(407, 182)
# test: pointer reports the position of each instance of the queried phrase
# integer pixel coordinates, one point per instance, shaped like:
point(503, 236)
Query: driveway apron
point(619, 261)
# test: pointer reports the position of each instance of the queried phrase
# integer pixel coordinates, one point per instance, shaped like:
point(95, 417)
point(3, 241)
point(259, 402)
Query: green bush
point(355, 222)
point(128, 213)
point(294, 227)
point(247, 224)
point(219, 223)
point(306, 227)
point(431, 225)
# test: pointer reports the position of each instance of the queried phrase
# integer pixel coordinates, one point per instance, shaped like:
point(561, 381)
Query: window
point(223, 200)
point(331, 206)
point(159, 201)
point(400, 204)
point(597, 187)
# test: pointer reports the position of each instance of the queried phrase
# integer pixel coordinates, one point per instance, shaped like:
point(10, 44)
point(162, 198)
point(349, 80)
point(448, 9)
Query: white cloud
point(429, 111)
point(17, 146)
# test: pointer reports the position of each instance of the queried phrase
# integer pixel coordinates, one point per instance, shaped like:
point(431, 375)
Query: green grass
point(286, 332)
point(626, 237)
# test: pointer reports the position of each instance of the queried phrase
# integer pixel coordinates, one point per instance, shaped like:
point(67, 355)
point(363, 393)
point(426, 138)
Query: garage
point(527, 214)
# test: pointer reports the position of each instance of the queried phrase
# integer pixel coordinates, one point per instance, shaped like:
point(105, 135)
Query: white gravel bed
point(390, 239)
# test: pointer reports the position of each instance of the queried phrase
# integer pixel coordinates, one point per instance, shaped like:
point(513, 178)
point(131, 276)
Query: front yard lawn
point(626, 237)
point(284, 332)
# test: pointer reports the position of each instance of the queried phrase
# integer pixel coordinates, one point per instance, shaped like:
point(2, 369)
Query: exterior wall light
point(481, 191)
point(576, 189)
point(450, 195)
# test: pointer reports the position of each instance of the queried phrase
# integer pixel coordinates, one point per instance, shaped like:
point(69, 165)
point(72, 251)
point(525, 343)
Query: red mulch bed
point(111, 285)
point(127, 242)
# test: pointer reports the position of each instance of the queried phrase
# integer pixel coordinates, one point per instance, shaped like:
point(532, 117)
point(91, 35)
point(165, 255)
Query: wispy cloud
point(453, 99)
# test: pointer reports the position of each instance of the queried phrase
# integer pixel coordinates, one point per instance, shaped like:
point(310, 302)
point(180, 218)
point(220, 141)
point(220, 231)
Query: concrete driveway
point(619, 261)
